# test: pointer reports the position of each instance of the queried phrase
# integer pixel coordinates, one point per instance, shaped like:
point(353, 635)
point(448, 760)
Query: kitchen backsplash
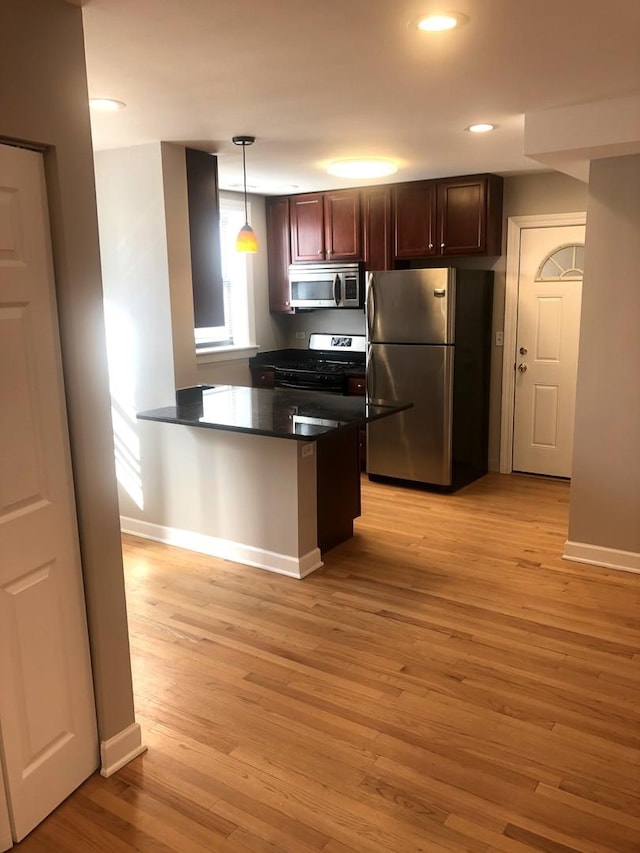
point(344, 321)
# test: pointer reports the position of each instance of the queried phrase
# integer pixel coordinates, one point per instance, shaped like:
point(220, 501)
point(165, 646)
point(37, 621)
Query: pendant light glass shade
point(246, 240)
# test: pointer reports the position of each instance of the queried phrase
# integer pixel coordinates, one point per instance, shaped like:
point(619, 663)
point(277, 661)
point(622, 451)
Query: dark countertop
point(278, 412)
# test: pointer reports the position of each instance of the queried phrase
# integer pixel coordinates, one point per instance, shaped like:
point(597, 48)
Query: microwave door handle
point(336, 289)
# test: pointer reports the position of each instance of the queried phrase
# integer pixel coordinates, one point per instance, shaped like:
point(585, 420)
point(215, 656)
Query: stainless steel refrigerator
point(429, 335)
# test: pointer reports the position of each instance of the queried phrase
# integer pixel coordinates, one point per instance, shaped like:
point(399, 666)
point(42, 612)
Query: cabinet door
point(470, 215)
point(414, 219)
point(462, 216)
point(278, 254)
point(263, 377)
point(342, 227)
point(307, 227)
point(376, 220)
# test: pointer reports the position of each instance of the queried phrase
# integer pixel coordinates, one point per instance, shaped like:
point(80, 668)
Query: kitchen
point(83, 365)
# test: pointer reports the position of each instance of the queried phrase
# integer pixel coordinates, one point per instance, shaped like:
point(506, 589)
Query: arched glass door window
point(563, 263)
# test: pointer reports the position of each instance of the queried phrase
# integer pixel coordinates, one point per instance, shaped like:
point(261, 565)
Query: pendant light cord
point(244, 176)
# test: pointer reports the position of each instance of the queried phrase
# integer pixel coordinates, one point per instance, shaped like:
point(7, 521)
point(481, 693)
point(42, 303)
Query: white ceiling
point(320, 79)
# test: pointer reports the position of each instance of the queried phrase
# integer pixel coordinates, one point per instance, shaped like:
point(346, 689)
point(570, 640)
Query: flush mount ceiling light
point(481, 128)
point(106, 104)
point(362, 168)
point(439, 22)
point(246, 241)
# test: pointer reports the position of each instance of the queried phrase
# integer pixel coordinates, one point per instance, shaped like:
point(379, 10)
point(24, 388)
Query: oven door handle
point(301, 385)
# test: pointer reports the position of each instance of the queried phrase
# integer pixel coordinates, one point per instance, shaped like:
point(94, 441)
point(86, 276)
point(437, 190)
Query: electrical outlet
point(499, 339)
point(300, 336)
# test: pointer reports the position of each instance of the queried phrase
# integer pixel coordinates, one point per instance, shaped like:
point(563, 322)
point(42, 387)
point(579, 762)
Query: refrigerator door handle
point(371, 305)
point(371, 377)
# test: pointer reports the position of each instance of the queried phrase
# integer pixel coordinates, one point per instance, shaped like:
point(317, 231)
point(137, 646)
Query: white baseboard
point(272, 561)
point(595, 555)
point(120, 749)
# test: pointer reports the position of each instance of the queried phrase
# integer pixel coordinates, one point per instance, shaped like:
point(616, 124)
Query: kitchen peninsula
point(266, 477)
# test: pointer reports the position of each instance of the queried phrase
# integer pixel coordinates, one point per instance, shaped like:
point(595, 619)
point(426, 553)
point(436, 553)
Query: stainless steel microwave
point(326, 285)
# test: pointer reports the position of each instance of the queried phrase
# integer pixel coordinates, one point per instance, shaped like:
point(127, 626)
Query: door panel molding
point(515, 226)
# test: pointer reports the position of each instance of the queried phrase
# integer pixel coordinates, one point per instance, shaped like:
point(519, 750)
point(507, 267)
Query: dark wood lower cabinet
point(338, 486)
point(357, 386)
point(263, 377)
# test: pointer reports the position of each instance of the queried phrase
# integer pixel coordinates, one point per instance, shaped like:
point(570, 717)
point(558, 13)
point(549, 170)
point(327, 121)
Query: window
point(235, 284)
point(564, 262)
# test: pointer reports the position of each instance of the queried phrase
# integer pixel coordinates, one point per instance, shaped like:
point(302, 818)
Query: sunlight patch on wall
point(121, 358)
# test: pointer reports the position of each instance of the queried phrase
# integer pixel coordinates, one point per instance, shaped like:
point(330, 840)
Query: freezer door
point(411, 306)
point(416, 444)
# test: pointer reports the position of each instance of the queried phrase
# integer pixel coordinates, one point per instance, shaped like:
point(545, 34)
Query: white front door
point(48, 740)
point(546, 357)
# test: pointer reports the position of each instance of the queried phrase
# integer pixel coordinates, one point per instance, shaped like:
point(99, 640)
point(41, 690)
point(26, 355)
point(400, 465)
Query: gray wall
point(605, 486)
point(43, 99)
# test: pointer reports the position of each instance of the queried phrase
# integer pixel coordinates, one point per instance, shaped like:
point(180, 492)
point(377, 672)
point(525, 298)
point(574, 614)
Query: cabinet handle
point(319, 251)
point(442, 245)
point(431, 245)
point(329, 252)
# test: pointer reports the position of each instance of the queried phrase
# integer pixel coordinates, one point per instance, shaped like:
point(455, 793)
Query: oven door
point(308, 380)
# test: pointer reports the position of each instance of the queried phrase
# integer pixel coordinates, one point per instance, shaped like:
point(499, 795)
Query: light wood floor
point(445, 683)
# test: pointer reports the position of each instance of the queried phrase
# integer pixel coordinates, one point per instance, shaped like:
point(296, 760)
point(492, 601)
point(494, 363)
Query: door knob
point(523, 350)
point(522, 368)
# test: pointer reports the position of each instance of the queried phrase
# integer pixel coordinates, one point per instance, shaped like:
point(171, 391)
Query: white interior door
point(546, 358)
point(48, 740)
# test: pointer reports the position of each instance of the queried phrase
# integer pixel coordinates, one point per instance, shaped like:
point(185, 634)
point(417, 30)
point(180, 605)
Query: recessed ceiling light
point(362, 168)
point(437, 23)
point(481, 128)
point(106, 104)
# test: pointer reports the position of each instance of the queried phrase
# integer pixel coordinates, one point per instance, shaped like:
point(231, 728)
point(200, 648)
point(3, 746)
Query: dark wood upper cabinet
point(307, 227)
point(342, 226)
point(414, 215)
point(278, 254)
point(470, 215)
point(326, 226)
point(376, 226)
point(454, 216)
point(383, 225)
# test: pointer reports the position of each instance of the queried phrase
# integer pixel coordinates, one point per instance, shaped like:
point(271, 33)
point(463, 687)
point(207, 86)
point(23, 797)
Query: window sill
point(208, 355)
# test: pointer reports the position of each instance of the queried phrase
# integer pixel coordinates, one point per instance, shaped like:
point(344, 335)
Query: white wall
point(215, 484)
point(141, 241)
point(605, 487)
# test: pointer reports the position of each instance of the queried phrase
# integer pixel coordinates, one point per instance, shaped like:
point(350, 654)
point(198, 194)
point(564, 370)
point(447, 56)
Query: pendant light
point(246, 240)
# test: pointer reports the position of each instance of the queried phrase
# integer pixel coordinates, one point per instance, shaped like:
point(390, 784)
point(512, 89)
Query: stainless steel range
point(324, 366)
